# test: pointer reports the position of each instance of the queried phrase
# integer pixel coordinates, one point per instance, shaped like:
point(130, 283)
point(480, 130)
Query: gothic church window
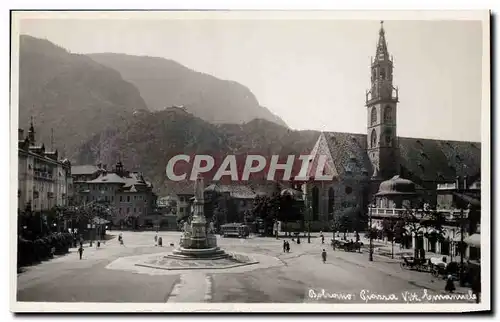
point(382, 74)
point(315, 203)
point(388, 114)
point(388, 137)
point(331, 202)
point(374, 116)
point(373, 138)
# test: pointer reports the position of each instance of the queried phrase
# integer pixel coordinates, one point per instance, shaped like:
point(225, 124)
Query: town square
point(109, 274)
point(143, 180)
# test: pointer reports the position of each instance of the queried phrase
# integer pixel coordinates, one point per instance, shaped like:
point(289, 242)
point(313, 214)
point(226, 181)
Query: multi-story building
point(43, 181)
point(459, 219)
point(129, 195)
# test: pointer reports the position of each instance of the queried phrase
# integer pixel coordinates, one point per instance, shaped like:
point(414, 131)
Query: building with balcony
point(359, 163)
point(398, 197)
point(128, 194)
point(44, 181)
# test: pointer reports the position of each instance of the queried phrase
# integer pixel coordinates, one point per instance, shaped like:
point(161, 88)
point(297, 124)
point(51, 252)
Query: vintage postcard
point(263, 161)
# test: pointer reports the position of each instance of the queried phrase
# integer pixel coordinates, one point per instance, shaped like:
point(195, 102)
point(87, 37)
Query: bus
point(235, 230)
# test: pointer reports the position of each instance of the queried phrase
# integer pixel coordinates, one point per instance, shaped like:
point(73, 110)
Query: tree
point(263, 209)
point(417, 221)
point(389, 231)
point(341, 223)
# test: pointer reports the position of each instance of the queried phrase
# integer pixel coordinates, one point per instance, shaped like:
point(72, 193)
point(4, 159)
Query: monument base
point(194, 253)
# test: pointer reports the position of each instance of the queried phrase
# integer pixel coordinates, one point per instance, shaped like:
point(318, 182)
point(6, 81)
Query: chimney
point(20, 133)
point(465, 182)
point(457, 183)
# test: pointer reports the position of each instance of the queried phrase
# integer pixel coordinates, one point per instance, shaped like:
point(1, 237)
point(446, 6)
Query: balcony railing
point(449, 215)
point(387, 211)
point(446, 186)
point(43, 175)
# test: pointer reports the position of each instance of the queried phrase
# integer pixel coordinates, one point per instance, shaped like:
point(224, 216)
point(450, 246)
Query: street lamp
point(371, 207)
point(309, 225)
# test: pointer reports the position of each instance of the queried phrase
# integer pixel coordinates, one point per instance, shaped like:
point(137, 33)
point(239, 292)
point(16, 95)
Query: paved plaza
point(110, 274)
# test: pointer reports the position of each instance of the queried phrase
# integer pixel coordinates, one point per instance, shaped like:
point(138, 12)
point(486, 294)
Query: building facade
point(129, 196)
point(44, 181)
point(459, 220)
point(359, 163)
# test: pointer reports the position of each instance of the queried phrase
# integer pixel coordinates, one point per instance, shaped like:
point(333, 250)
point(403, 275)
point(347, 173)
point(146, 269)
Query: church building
point(360, 162)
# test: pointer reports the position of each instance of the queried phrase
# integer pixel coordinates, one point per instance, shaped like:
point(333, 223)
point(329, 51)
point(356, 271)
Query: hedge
point(33, 251)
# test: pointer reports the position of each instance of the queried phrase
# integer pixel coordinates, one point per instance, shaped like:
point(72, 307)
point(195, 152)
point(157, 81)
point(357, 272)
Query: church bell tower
point(381, 104)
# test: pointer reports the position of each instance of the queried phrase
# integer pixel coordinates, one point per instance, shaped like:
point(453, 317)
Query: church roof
point(348, 152)
point(420, 159)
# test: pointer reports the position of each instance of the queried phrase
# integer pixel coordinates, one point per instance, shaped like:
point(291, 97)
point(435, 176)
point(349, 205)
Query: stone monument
point(197, 240)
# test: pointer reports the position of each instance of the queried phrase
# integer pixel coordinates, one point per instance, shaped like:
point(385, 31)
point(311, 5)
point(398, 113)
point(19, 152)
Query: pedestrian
point(323, 255)
point(160, 242)
point(287, 247)
point(298, 240)
point(450, 286)
point(322, 238)
point(476, 286)
point(284, 246)
point(156, 240)
point(80, 251)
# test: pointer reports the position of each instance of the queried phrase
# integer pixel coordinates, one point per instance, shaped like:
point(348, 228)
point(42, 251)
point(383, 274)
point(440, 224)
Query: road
point(300, 277)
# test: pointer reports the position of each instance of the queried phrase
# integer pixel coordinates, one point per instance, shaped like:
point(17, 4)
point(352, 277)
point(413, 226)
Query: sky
point(313, 73)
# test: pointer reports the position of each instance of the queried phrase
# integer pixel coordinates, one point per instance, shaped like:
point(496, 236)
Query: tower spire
point(31, 132)
point(52, 139)
point(382, 52)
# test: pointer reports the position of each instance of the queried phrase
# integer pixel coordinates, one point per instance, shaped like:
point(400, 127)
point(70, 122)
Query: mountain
point(151, 139)
point(163, 83)
point(99, 115)
point(71, 94)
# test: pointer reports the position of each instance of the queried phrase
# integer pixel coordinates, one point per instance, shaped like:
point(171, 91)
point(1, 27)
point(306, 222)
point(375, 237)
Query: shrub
point(30, 252)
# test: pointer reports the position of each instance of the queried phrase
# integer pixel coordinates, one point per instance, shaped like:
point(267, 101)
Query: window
point(373, 139)
point(119, 210)
point(331, 202)
point(315, 203)
point(348, 190)
point(121, 198)
point(388, 137)
point(181, 199)
point(134, 210)
point(373, 116)
point(374, 74)
point(382, 73)
point(112, 199)
point(181, 210)
point(128, 210)
point(388, 114)
point(128, 198)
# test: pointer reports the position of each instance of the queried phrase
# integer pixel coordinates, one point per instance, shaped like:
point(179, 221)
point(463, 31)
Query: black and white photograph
point(259, 161)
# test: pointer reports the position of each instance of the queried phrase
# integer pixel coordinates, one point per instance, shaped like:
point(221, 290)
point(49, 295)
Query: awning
point(473, 240)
